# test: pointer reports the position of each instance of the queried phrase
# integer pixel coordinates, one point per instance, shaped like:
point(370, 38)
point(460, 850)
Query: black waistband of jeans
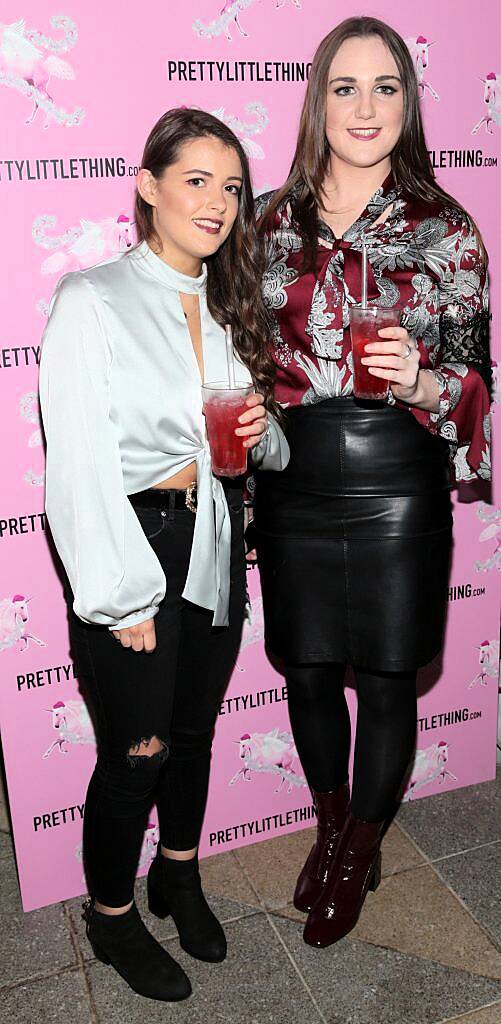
point(163, 499)
point(172, 498)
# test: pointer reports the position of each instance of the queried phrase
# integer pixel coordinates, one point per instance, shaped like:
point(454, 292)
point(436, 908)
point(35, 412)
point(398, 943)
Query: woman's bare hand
point(255, 420)
point(395, 359)
point(141, 637)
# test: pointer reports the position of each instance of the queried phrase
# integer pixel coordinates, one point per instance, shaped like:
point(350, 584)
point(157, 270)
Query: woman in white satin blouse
point(151, 541)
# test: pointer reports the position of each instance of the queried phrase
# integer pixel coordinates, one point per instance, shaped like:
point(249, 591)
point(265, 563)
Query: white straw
point(364, 275)
point(229, 355)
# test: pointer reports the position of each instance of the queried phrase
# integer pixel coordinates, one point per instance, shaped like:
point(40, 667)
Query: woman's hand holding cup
point(254, 421)
point(396, 359)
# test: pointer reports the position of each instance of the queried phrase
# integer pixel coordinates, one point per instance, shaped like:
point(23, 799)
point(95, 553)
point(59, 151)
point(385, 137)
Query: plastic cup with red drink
point(223, 404)
point(365, 322)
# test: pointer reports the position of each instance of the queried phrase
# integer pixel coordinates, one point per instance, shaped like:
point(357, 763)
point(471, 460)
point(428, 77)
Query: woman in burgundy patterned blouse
point(354, 538)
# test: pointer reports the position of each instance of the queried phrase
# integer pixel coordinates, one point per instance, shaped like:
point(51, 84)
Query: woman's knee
point(148, 748)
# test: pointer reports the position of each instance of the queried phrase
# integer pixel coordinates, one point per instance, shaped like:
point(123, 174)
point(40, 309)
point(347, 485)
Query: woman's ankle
point(112, 911)
point(180, 855)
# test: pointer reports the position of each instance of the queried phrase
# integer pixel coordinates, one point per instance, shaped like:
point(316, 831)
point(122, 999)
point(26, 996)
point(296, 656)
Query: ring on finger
point(409, 350)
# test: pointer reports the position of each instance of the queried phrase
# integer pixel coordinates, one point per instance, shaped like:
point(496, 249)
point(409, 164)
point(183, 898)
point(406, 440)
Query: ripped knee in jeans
point(140, 751)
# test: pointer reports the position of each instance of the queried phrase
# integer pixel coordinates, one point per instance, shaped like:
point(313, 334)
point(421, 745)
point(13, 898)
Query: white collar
point(167, 275)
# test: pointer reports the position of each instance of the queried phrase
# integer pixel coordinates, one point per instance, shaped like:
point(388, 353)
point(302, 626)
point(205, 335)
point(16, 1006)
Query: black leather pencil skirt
point(354, 538)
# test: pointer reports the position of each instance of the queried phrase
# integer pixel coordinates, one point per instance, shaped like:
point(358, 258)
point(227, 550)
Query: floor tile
point(30, 943)
point(49, 1001)
point(222, 875)
point(273, 865)
point(476, 877)
point(6, 847)
point(359, 983)
point(455, 821)
point(488, 1015)
point(416, 914)
point(399, 854)
point(257, 984)
point(4, 816)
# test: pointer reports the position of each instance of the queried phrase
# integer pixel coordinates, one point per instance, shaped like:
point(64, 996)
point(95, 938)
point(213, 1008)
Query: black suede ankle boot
point(123, 941)
point(174, 887)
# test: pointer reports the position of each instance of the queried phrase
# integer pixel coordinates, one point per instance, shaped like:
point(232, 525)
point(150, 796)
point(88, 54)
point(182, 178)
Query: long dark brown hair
point(234, 272)
point(410, 160)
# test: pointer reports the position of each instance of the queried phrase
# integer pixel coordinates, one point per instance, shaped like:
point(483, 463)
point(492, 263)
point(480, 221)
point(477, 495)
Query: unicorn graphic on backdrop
point(28, 60)
point(253, 629)
point(30, 411)
point(244, 129)
point(150, 843)
point(419, 52)
point(491, 516)
point(84, 245)
point(492, 100)
point(488, 659)
point(73, 725)
point(274, 752)
point(230, 13)
point(14, 618)
point(429, 764)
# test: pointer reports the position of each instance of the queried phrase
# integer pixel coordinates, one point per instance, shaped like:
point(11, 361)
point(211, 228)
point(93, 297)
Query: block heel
point(123, 942)
point(376, 875)
point(175, 889)
point(156, 902)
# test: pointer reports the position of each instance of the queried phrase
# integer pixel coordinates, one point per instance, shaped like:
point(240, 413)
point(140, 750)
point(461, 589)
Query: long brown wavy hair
point(410, 160)
point(234, 272)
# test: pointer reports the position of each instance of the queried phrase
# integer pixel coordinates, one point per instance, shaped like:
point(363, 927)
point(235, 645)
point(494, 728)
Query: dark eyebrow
point(209, 174)
point(380, 78)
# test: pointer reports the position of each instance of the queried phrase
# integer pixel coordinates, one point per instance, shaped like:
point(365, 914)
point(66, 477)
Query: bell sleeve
point(272, 451)
point(463, 370)
point(114, 573)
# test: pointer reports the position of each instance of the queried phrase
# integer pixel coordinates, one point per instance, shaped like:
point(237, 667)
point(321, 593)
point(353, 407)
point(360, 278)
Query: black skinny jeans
point(172, 694)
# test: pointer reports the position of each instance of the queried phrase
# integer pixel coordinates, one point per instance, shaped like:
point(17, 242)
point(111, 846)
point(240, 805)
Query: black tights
point(385, 736)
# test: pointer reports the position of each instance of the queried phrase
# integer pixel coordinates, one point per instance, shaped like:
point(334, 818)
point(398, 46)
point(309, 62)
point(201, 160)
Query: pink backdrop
point(66, 181)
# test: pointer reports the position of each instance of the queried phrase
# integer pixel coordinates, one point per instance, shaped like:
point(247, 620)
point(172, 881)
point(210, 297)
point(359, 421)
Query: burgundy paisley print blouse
point(423, 258)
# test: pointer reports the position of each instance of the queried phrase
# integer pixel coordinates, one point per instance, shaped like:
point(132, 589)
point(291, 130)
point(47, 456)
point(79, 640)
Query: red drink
point(222, 407)
point(364, 327)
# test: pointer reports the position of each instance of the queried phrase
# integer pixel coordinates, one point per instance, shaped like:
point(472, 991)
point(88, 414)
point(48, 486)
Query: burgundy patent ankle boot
point(355, 870)
point(332, 809)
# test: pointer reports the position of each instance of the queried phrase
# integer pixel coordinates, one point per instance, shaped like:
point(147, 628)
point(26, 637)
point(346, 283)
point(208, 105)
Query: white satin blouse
point(120, 393)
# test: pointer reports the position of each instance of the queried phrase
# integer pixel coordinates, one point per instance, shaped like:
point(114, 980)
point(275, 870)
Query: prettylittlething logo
point(429, 765)
point(271, 752)
point(492, 100)
point(29, 59)
point(71, 722)
point(488, 660)
point(14, 628)
point(491, 533)
point(30, 411)
point(230, 16)
point(246, 129)
point(83, 245)
point(419, 51)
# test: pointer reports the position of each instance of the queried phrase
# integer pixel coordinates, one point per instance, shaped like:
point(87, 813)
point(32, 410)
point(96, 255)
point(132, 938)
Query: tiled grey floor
point(270, 976)
point(30, 943)
point(476, 877)
point(48, 1001)
point(257, 984)
point(6, 851)
point(455, 821)
point(356, 983)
